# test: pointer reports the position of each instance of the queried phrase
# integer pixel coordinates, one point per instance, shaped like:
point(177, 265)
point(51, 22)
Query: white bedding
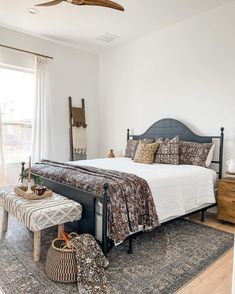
point(176, 189)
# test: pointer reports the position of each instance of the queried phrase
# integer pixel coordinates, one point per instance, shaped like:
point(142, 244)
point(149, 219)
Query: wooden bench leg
point(4, 221)
point(37, 246)
point(60, 230)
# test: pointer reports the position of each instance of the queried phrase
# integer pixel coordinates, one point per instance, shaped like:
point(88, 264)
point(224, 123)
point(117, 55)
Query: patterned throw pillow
point(131, 147)
point(168, 151)
point(145, 152)
point(194, 153)
point(149, 141)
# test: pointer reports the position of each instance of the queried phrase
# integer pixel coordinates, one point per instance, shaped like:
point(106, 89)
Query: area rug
point(163, 261)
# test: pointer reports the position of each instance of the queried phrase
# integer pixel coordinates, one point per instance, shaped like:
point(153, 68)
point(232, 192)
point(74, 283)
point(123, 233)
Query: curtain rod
point(25, 51)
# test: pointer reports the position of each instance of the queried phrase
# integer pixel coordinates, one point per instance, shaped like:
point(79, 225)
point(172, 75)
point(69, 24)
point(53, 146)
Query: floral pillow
point(194, 153)
point(168, 151)
point(131, 147)
point(149, 141)
point(145, 152)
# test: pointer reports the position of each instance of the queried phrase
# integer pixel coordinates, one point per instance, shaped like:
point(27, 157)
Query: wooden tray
point(21, 191)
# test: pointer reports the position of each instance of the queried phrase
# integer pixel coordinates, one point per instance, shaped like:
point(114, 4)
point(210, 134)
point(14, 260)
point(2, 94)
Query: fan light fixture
point(103, 3)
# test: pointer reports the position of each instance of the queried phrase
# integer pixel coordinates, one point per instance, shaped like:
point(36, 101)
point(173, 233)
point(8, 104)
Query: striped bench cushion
point(40, 214)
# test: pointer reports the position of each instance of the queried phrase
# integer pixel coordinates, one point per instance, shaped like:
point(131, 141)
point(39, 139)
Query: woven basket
point(61, 265)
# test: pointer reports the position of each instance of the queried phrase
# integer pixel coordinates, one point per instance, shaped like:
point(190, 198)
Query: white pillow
point(210, 156)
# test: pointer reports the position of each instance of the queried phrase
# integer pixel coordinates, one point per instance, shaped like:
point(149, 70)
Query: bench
point(38, 214)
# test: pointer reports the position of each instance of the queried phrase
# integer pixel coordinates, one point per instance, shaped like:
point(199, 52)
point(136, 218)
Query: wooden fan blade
point(51, 3)
point(104, 3)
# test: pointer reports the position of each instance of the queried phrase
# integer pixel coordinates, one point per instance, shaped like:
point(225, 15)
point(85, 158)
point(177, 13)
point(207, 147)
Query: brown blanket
point(131, 207)
point(91, 264)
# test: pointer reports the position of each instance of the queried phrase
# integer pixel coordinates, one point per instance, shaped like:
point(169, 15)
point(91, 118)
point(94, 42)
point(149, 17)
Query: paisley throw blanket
point(91, 264)
point(130, 208)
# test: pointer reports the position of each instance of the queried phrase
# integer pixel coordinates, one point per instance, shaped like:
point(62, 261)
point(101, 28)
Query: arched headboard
point(169, 128)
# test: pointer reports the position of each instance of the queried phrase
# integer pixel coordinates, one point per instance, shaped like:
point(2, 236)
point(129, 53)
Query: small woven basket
point(61, 264)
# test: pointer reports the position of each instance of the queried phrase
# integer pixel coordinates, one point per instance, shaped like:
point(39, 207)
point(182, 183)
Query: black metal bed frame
point(163, 128)
point(169, 128)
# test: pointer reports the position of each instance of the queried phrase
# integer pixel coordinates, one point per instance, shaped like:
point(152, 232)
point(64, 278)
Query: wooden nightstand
point(226, 200)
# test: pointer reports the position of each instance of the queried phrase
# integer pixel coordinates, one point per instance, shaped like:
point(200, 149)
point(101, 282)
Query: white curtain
point(2, 162)
point(41, 133)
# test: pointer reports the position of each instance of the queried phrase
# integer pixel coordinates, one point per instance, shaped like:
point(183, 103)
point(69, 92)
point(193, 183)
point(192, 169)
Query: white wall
point(72, 72)
point(185, 71)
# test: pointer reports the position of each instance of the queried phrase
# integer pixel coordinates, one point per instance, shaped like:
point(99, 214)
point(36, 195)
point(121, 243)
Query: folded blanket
point(91, 264)
point(130, 207)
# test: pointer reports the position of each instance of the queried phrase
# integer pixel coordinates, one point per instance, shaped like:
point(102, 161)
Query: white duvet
point(176, 189)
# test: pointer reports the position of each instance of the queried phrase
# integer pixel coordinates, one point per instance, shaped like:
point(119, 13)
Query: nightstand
point(226, 200)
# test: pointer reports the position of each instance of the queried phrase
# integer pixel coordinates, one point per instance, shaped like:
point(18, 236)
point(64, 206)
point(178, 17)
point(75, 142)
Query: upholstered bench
point(38, 214)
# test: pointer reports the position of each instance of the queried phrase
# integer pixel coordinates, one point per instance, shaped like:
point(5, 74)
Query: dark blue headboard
point(169, 128)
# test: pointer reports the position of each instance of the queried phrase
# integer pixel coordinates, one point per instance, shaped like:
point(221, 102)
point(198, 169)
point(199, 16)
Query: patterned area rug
point(163, 260)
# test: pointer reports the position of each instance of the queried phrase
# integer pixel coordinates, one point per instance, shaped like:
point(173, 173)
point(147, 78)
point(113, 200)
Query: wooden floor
point(217, 279)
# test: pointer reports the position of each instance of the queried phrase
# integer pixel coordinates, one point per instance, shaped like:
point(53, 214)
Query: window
point(17, 92)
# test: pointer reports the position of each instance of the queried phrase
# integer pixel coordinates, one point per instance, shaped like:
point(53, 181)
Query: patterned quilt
point(130, 207)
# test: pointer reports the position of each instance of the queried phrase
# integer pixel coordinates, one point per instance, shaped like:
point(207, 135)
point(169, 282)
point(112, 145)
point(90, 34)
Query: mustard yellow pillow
point(145, 152)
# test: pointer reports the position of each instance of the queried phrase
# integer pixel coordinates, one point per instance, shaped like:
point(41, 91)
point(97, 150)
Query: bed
point(177, 190)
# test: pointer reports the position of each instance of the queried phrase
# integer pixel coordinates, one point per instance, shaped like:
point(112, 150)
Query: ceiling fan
point(104, 3)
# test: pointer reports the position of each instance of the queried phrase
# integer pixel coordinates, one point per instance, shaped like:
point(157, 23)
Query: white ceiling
point(80, 26)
